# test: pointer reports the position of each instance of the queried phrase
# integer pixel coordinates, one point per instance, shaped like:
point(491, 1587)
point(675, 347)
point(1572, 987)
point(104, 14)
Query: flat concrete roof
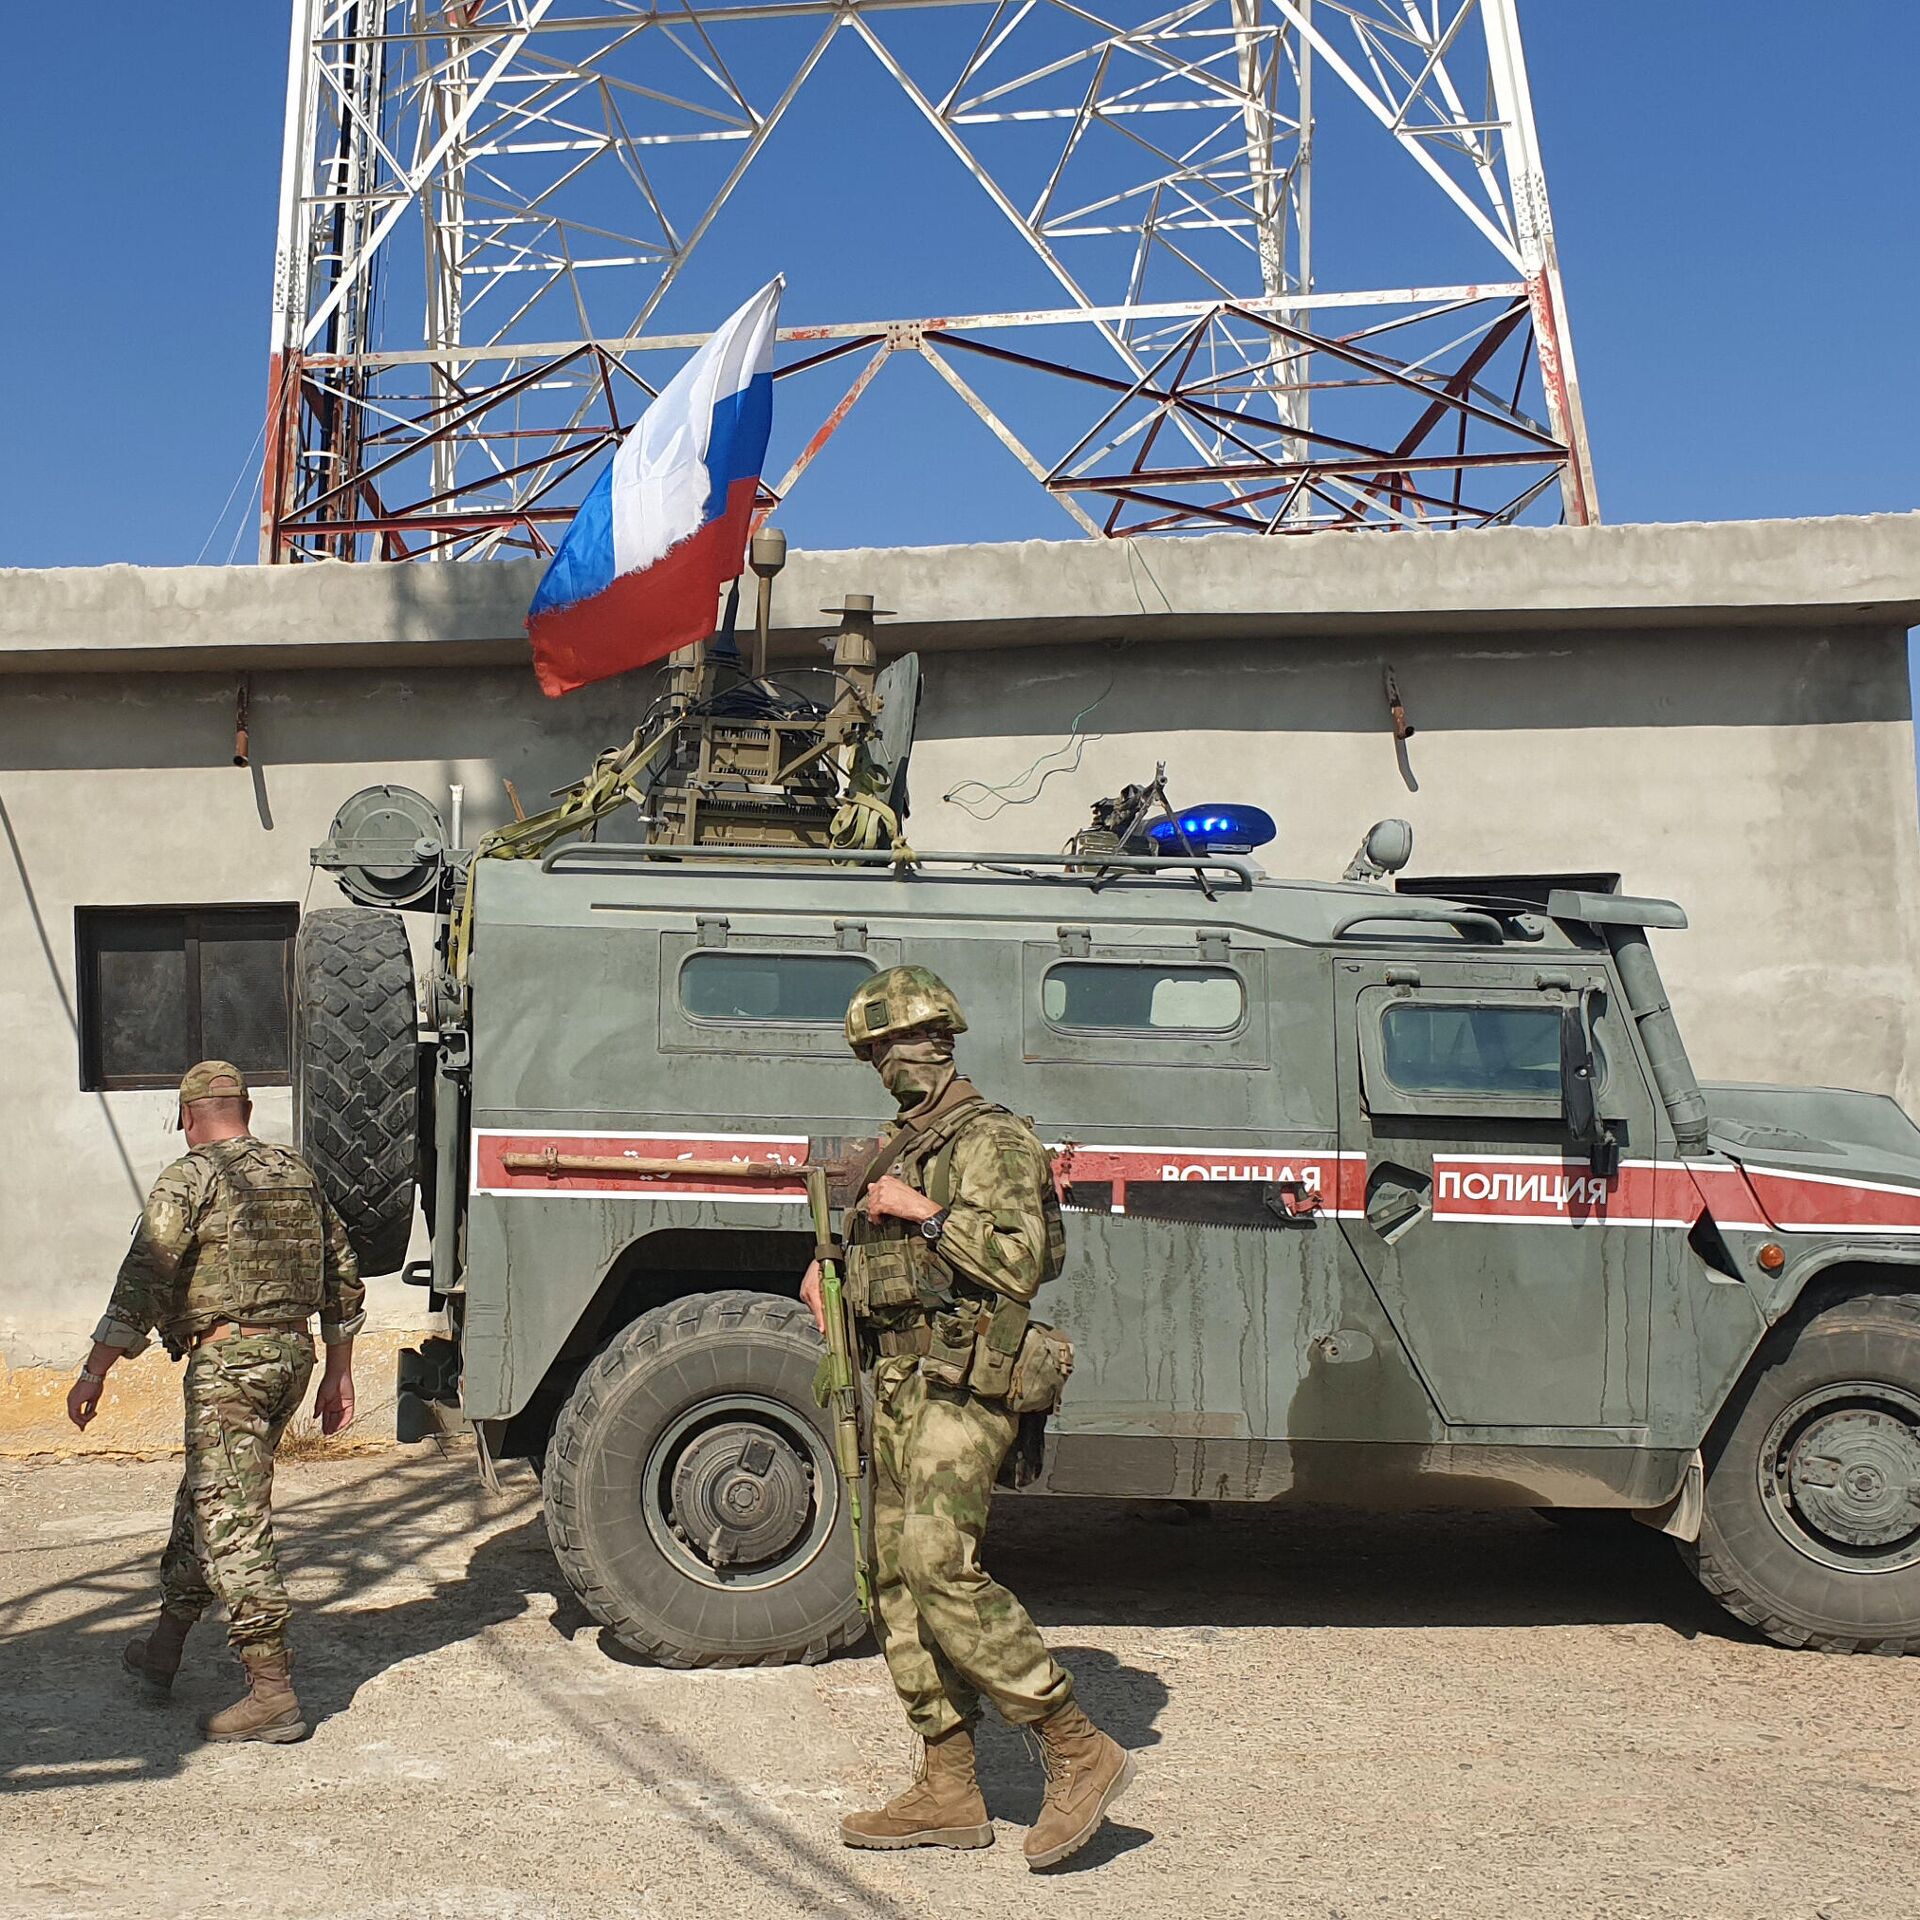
point(1862, 570)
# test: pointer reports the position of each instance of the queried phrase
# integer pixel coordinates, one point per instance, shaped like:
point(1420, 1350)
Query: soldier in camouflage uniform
point(235, 1250)
point(955, 1226)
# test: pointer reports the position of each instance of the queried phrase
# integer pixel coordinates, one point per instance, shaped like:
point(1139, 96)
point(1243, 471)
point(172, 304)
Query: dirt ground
point(1335, 1717)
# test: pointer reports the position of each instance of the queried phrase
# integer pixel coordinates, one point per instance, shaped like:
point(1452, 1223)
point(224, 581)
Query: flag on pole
point(665, 527)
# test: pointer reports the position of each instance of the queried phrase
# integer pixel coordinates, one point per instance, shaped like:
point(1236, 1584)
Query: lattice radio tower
point(484, 204)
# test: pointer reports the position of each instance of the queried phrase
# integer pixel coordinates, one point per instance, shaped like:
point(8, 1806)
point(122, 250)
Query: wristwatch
point(92, 1379)
point(934, 1225)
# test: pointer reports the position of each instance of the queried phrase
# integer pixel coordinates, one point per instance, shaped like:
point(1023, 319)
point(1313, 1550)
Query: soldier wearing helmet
point(954, 1226)
point(234, 1252)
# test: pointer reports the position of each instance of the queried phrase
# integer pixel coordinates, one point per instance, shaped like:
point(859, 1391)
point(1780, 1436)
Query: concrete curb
point(140, 1413)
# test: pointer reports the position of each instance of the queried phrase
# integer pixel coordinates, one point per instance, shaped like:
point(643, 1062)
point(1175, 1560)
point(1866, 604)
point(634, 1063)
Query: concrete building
point(1719, 713)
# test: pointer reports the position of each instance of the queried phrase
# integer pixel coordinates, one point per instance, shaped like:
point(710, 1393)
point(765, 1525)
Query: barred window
point(162, 987)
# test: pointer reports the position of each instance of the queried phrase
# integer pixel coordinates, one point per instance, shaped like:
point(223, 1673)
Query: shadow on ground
point(1091, 1563)
point(69, 1713)
point(466, 1562)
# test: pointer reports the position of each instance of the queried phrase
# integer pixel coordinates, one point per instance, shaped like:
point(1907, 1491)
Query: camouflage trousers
point(950, 1633)
point(240, 1395)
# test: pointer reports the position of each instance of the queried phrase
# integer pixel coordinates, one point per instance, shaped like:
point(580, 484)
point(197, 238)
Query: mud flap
point(1682, 1514)
point(427, 1401)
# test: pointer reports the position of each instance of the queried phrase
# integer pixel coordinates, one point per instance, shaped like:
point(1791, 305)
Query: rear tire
point(1812, 1525)
point(690, 1489)
point(356, 1094)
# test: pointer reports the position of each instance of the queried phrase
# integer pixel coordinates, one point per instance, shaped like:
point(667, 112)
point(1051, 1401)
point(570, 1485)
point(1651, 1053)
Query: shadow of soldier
point(344, 1645)
point(1123, 1701)
point(70, 1713)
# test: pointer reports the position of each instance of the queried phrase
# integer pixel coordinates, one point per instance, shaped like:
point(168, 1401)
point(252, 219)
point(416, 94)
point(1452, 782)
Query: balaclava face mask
point(913, 1069)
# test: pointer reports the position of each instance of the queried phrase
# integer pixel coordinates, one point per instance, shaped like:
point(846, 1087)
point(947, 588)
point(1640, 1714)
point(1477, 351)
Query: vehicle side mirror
point(1579, 1099)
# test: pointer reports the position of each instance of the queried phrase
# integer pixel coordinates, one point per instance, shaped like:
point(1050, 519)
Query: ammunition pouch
point(994, 1350)
point(888, 1275)
point(909, 1302)
point(1040, 1369)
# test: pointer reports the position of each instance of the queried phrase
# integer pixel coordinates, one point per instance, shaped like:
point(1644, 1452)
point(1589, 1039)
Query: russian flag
point(665, 527)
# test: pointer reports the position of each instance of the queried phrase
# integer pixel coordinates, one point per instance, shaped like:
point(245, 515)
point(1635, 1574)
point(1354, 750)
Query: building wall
point(1764, 778)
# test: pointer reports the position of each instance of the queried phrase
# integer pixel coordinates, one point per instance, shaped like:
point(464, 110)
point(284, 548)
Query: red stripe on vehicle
point(1529, 1189)
point(491, 1175)
point(1339, 1180)
point(1514, 1189)
point(1815, 1203)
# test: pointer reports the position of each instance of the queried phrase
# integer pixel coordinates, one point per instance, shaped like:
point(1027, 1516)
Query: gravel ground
point(1336, 1716)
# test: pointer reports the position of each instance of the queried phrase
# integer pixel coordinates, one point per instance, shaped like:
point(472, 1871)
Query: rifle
point(839, 1387)
point(842, 1398)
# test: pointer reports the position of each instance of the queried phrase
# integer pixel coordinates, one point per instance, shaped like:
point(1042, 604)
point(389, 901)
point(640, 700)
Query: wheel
point(1812, 1524)
point(691, 1493)
point(356, 1096)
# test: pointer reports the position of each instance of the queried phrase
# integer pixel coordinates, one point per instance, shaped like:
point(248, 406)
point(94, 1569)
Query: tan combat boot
point(942, 1808)
point(1086, 1774)
point(269, 1711)
point(156, 1659)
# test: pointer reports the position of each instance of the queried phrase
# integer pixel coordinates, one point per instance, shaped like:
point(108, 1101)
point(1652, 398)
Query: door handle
point(1397, 1198)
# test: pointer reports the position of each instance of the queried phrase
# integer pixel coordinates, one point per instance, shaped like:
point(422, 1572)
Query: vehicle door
point(1514, 1259)
point(1188, 1092)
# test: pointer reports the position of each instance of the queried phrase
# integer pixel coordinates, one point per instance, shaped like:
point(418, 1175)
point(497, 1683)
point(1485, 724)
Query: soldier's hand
point(333, 1404)
point(889, 1197)
point(810, 1293)
point(83, 1402)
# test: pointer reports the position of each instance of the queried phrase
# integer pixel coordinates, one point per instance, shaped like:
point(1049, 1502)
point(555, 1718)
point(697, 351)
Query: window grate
point(163, 986)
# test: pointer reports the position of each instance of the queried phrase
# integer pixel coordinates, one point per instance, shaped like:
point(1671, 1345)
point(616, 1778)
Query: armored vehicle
point(1381, 1193)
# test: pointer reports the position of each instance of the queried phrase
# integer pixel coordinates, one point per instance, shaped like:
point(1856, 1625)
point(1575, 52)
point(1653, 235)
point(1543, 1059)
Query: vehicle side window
point(1475, 1050)
point(781, 989)
point(1155, 997)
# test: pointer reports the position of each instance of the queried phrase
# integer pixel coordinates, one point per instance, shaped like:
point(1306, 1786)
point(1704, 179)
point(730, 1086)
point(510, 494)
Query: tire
point(356, 1097)
point(1810, 1533)
point(706, 1396)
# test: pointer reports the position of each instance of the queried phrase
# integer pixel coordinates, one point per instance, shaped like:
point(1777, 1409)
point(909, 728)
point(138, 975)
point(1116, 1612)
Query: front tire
point(1812, 1525)
point(690, 1489)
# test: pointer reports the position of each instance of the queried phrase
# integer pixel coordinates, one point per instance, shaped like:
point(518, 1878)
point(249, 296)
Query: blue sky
point(1733, 192)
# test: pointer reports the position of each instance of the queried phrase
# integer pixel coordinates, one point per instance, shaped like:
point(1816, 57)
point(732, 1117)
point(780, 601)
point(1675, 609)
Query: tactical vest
point(271, 1268)
point(895, 1275)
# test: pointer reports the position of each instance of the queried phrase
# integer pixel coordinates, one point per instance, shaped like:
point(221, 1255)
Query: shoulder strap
point(959, 1099)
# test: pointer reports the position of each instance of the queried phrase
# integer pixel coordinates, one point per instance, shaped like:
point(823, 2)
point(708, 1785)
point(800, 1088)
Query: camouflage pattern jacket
point(1002, 1232)
point(181, 1243)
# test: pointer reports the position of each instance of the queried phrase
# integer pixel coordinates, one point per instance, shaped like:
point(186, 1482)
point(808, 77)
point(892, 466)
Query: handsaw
point(1262, 1206)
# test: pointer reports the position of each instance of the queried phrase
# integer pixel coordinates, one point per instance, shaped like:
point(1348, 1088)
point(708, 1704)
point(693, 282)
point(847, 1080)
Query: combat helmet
point(900, 998)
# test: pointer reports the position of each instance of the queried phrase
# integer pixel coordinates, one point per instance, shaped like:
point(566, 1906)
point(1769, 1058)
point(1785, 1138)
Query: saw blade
point(1259, 1206)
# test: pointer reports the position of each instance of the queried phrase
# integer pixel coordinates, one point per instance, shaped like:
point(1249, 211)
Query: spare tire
point(356, 1096)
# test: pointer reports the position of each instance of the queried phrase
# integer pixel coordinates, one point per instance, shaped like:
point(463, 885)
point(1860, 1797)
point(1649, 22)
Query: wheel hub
point(1855, 1475)
point(1840, 1476)
point(741, 1495)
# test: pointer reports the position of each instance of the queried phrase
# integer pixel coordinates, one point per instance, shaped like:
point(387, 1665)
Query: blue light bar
point(1214, 828)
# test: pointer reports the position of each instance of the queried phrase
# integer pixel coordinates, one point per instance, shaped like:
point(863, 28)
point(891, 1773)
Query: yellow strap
point(612, 783)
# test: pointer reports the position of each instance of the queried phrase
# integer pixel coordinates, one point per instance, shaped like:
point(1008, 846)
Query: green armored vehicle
point(1379, 1193)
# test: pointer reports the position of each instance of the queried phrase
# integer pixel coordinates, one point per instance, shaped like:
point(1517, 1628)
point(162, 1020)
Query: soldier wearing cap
point(954, 1226)
point(235, 1251)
